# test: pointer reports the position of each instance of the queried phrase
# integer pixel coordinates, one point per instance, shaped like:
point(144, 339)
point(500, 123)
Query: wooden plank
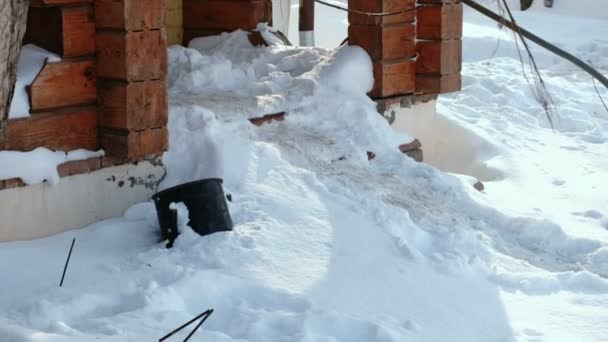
point(131, 56)
point(128, 146)
point(131, 15)
point(226, 15)
point(439, 57)
point(134, 105)
point(384, 42)
point(77, 167)
point(63, 84)
point(439, 22)
point(394, 77)
point(65, 131)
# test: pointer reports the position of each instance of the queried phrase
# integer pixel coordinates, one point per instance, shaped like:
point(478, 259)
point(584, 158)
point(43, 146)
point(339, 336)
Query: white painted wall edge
point(41, 210)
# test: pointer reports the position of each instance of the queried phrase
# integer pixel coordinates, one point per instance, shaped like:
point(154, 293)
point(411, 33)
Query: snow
point(328, 246)
point(40, 164)
point(31, 61)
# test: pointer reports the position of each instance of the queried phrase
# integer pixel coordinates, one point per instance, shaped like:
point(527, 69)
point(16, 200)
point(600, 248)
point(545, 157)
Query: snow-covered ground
point(329, 246)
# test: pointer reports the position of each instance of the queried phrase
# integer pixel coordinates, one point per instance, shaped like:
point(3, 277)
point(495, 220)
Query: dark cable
point(599, 95)
point(536, 39)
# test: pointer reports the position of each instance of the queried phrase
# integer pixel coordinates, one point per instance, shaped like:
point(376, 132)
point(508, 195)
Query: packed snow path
point(327, 245)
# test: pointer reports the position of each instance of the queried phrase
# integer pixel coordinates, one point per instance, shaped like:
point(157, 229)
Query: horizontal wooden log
point(255, 38)
point(63, 84)
point(66, 31)
point(440, 57)
point(434, 2)
point(226, 15)
point(77, 167)
point(384, 41)
point(133, 105)
point(131, 15)
point(131, 56)
point(395, 77)
point(128, 146)
point(52, 3)
point(438, 84)
point(64, 130)
point(384, 6)
point(437, 22)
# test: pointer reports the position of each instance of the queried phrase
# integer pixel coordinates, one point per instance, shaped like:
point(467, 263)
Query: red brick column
point(132, 87)
point(390, 42)
point(439, 46)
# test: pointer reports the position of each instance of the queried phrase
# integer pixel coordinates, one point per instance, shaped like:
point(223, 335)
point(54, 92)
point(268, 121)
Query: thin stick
point(67, 262)
point(197, 326)
point(207, 312)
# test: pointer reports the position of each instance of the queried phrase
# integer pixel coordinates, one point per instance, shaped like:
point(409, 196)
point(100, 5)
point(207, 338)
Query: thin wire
point(370, 14)
point(599, 95)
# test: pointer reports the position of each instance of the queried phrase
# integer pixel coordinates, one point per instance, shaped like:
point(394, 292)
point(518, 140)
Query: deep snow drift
point(327, 245)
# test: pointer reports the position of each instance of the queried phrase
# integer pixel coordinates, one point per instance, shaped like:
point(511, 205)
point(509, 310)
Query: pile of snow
point(327, 245)
point(40, 164)
point(31, 61)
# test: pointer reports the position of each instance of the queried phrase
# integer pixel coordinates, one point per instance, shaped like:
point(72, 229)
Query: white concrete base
point(41, 210)
point(307, 38)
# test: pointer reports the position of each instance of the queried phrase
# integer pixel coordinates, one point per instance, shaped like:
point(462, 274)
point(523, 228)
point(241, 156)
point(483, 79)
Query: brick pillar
point(439, 46)
point(390, 42)
point(132, 87)
point(212, 17)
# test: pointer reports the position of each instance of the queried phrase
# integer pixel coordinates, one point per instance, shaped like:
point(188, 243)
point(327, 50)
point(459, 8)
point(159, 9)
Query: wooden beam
point(52, 3)
point(227, 15)
point(68, 32)
point(125, 146)
point(133, 105)
point(62, 130)
point(131, 56)
point(63, 84)
point(130, 15)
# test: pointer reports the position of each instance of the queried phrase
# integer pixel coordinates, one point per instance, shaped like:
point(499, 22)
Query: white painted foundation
point(41, 210)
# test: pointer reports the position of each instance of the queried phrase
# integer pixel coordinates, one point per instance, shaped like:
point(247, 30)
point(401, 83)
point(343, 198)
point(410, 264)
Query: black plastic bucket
point(206, 203)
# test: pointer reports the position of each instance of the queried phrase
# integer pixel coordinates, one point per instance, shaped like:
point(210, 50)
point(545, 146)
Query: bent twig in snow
point(67, 262)
point(206, 313)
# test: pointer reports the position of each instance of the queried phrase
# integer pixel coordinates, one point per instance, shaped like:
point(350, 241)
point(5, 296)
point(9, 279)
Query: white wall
point(41, 210)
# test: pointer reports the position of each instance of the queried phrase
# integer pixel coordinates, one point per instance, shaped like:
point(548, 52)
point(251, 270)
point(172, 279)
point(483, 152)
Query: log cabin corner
point(109, 92)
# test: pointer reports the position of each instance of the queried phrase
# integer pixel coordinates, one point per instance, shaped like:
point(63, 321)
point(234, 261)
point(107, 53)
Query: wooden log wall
point(63, 96)
point(439, 46)
point(390, 42)
point(212, 17)
point(414, 52)
point(132, 86)
point(108, 91)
